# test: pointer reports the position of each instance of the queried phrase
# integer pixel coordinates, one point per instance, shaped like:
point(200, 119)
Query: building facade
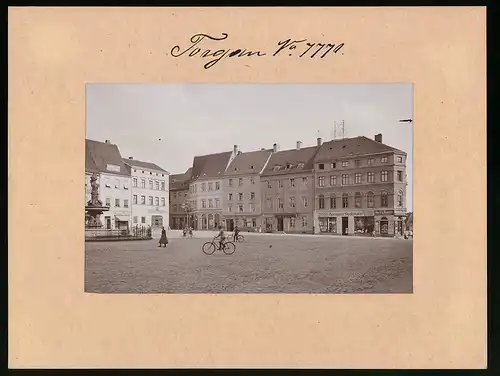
point(149, 196)
point(287, 192)
point(180, 212)
point(104, 159)
point(205, 189)
point(241, 199)
point(360, 187)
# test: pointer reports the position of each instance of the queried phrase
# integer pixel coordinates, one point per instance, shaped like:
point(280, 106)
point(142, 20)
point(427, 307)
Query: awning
point(121, 218)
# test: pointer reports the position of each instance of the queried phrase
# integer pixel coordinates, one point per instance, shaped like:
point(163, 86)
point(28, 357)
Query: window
point(108, 201)
point(157, 201)
point(107, 183)
point(292, 222)
point(384, 175)
point(400, 175)
point(125, 203)
point(163, 201)
point(269, 184)
point(254, 222)
point(252, 195)
point(217, 202)
point(143, 200)
point(399, 159)
point(357, 200)
point(240, 196)
point(134, 199)
point(134, 183)
point(333, 202)
point(280, 184)
point(371, 177)
point(203, 187)
point(304, 182)
point(292, 202)
point(210, 203)
point(369, 200)
point(150, 184)
point(174, 194)
point(230, 182)
point(304, 201)
point(230, 208)
point(321, 166)
point(210, 186)
point(117, 202)
point(240, 208)
point(240, 182)
point(345, 179)
point(300, 165)
point(203, 204)
point(143, 219)
point(304, 221)
point(162, 185)
point(383, 160)
point(252, 208)
point(217, 185)
point(345, 163)
point(345, 200)
point(384, 200)
point(151, 200)
point(333, 165)
point(321, 181)
point(400, 198)
point(269, 203)
point(157, 185)
point(117, 184)
point(292, 182)
point(357, 178)
point(357, 163)
point(321, 202)
point(174, 208)
point(252, 181)
point(371, 161)
point(143, 183)
point(280, 203)
point(230, 197)
point(134, 219)
point(333, 180)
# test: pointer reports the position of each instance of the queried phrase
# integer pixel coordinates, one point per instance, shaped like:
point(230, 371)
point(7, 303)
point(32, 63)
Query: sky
point(169, 124)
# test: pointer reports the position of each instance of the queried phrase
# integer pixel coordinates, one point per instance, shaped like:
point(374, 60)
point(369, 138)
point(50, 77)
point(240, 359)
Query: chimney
point(130, 158)
point(235, 149)
point(275, 148)
point(378, 137)
point(319, 140)
point(299, 144)
point(107, 142)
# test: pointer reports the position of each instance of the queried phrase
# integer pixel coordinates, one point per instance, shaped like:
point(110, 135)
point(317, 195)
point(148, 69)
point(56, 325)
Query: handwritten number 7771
point(292, 45)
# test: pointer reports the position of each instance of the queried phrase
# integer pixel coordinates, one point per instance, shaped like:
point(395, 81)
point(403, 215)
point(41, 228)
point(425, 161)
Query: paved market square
point(261, 264)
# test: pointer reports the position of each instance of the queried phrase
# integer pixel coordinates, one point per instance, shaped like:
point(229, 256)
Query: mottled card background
point(53, 323)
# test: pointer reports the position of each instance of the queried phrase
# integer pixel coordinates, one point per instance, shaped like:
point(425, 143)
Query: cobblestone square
point(261, 264)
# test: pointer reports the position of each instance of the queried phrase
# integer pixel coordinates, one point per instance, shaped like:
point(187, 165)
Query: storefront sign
point(341, 214)
point(384, 212)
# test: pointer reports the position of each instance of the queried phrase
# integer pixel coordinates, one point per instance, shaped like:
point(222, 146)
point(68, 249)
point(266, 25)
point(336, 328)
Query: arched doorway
point(217, 220)
point(195, 222)
point(203, 222)
point(384, 226)
point(211, 221)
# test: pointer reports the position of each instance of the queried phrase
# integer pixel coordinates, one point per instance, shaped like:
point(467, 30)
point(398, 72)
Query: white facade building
point(150, 192)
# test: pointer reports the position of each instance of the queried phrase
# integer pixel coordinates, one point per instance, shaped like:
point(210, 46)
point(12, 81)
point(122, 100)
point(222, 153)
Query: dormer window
point(251, 167)
point(300, 165)
point(276, 168)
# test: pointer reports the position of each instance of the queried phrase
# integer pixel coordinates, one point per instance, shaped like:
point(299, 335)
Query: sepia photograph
point(249, 188)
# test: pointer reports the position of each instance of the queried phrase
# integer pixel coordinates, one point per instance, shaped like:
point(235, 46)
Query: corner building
point(179, 203)
point(360, 187)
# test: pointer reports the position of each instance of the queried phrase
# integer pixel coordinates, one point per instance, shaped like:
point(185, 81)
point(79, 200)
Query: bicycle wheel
point(240, 238)
point(229, 248)
point(208, 248)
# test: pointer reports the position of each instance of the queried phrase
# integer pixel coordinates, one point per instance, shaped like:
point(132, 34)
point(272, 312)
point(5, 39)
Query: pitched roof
point(98, 155)
point(248, 163)
point(210, 166)
point(291, 161)
point(178, 181)
point(142, 164)
point(349, 147)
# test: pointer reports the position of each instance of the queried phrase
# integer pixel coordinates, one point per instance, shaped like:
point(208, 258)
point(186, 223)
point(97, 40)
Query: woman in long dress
point(163, 238)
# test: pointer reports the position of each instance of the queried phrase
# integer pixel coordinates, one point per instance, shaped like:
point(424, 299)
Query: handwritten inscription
point(201, 47)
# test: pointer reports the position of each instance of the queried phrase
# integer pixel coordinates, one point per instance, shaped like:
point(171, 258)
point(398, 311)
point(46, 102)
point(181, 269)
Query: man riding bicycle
point(221, 237)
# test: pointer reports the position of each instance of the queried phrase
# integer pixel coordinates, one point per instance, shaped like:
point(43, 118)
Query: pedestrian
point(163, 238)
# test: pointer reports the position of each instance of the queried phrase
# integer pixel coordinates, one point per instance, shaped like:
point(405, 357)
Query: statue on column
point(94, 193)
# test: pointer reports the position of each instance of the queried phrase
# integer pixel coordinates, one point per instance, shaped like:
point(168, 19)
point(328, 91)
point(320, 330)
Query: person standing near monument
point(163, 239)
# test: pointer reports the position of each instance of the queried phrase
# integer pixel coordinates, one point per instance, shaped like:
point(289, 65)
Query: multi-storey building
point(360, 187)
point(205, 188)
point(150, 185)
point(288, 189)
point(104, 159)
point(179, 207)
point(241, 199)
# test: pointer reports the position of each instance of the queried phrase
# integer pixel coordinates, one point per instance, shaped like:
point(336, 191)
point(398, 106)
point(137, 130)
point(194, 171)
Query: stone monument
point(94, 207)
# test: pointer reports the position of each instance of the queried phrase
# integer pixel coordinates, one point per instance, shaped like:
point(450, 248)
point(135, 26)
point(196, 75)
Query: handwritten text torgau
point(299, 48)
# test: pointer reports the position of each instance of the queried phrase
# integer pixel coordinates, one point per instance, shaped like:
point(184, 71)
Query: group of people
point(189, 230)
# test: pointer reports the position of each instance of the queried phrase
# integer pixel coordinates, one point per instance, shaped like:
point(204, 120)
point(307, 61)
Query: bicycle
point(240, 238)
point(210, 247)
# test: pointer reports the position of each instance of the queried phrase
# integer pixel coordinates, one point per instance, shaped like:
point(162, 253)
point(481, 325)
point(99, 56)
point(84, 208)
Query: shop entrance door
point(280, 223)
point(345, 225)
point(230, 224)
